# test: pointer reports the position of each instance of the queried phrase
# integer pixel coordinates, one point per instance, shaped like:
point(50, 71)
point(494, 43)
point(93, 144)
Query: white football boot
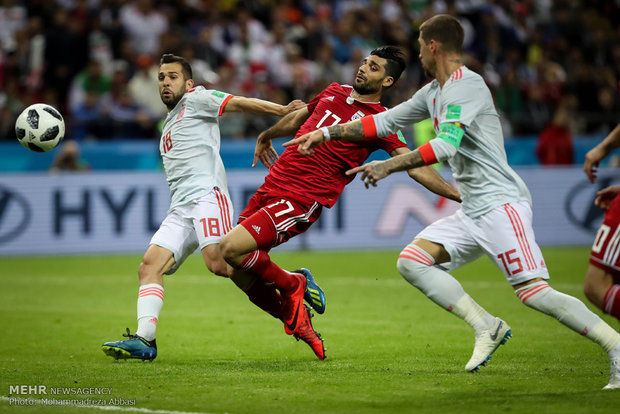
point(614, 369)
point(486, 343)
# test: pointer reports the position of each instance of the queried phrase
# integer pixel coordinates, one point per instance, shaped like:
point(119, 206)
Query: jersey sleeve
point(461, 102)
point(404, 114)
point(209, 102)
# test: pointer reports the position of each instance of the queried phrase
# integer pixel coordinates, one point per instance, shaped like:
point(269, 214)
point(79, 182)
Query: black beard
point(172, 104)
point(364, 89)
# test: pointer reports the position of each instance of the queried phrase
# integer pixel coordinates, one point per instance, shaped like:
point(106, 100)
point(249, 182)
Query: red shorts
point(605, 252)
point(272, 219)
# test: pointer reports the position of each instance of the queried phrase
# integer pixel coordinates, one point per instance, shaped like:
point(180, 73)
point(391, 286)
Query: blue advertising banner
point(119, 212)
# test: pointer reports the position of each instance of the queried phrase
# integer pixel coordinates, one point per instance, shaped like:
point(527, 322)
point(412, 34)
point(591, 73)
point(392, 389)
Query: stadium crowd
point(552, 65)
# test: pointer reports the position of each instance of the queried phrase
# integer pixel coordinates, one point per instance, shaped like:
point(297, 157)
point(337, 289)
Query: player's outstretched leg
point(306, 333)
point(313, 295)
point(416, 266)
point(574, 314)
point(487, 342)
point(135, 347)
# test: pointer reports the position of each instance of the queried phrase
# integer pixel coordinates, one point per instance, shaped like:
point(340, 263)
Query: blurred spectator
point(249, 57)
point(11, 106)
point(310, 37)
point(555, 143)
point(100, 46)
point(68, 159)
point(30, 50)
point(203, 73)
point(143, 25)
point(344, 39)
point(12, 18)
point(233, 124)
point(90, 117)
point(144, 88)
point(327, 69)
point(65, 53)
point(531, 53)
point(205, 50)
point(128, 119)
point(91, 79)
point(509, 96)
point(536, 113)
point(608, 112)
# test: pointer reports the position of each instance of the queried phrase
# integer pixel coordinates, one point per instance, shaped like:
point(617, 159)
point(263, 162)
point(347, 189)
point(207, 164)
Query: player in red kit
point(298, 187)
point(602, 283)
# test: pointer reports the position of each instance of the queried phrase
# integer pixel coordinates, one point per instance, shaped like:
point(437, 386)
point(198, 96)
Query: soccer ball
point(40, 128)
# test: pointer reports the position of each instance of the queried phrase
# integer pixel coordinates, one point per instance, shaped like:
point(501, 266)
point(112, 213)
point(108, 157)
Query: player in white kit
point(496, 214)
point(200, 209)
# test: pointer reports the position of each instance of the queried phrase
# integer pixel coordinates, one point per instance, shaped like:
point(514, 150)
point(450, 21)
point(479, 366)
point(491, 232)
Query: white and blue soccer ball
point(40, 127)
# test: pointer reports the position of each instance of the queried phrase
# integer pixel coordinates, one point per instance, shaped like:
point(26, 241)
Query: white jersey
point(480, 168)
point(190, 146)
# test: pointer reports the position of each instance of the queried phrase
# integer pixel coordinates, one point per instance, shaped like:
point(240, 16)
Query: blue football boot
point(135, 347)
point(314, 295)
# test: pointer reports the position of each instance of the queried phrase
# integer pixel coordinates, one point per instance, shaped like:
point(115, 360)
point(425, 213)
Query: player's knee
point(594, 292)
point(589, 290)
point(596, 285)
point(219, 268)
point(411, 270)
point(227, 248)
point(146, 272)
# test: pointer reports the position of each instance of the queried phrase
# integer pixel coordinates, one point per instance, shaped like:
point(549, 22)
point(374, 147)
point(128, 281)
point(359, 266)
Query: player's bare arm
point(350, 131)
point(377, 170)
point(430, 179)
point(287, 126)
point(259, 106)
point(596, 154)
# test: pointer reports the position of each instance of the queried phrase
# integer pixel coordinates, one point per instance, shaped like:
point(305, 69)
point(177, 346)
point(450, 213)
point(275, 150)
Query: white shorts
point(504, 234)
point(197, 224)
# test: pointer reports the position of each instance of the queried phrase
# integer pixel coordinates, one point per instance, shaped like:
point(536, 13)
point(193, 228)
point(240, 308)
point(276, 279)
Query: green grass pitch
point(389, 349)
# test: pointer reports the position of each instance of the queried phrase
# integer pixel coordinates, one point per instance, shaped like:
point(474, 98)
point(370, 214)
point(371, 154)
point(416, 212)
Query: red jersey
point(321, 177)
point(605, 253)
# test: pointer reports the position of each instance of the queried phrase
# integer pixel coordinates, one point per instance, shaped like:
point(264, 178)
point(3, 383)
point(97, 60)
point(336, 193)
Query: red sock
point(260, 263)
point(265, 296)
point(611, 303)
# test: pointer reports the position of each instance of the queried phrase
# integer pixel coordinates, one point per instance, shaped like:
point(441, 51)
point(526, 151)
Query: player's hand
point(265, 152)
point(605, 196)
point(371, 172)
point(591, 163)
point(307, 142)
point(293, 106)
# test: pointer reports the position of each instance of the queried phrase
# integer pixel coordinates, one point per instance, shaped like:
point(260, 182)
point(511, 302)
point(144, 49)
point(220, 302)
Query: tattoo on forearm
point(347, 132)
point(406, 161)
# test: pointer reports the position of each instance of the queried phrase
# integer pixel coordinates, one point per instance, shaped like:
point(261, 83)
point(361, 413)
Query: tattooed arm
point(351, 131)
point(377, 170)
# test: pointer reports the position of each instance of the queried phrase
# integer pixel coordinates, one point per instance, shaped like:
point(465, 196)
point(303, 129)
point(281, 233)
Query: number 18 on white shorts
point(196, 224)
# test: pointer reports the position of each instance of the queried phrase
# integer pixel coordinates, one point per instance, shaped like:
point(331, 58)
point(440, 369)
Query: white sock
point(150, 302)
point(416, 266)
point(570, 311)
point(606, 337)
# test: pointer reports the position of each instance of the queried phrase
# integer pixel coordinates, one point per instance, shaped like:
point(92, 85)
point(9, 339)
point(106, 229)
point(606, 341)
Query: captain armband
point(452, 133)
point(445, 145)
